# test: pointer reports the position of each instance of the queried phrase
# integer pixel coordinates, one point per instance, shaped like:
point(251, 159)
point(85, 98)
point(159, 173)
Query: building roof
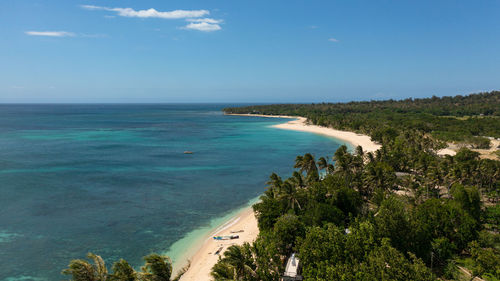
point(292, 266)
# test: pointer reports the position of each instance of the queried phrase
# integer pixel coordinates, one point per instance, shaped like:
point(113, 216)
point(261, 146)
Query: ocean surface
point(113, 179)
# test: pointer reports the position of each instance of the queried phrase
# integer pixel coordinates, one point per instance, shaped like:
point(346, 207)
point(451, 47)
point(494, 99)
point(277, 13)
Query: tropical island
point(249, 140)
point(421, 204)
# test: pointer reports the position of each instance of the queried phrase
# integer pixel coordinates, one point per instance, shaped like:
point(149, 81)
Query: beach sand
point(349, 137)
point(205, 258)
point(483, 153)
point(300, 124)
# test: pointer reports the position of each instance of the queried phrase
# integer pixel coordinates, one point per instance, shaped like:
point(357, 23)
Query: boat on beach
point(226, 237)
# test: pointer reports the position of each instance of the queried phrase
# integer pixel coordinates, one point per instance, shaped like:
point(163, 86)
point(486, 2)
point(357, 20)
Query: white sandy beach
point(300, 124)
point(205, 258)
point(349, 137)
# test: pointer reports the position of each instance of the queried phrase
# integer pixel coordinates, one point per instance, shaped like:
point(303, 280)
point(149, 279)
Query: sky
point(245, 51)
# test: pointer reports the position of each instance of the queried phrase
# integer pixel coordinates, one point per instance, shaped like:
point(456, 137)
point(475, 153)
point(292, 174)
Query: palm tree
point(359, 159)
point(370, 157)
point(489, 173)
point(359, 151)
point(297, 179)
point(156, 268)
point(343, 162)
point(324, 165)
point(275, 182)
point(239, 258)
point(379, 154)
point(433, 179)
point(307, 164)
point(289, 194)
point(378, 175)
point(222, 272)
point(299, 160)
point(122, 271)
point(412, 183)
point(82, 270)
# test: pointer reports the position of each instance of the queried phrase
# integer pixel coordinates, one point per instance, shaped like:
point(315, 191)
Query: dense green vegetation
point(459, 118)
point(360, 220)
point(400, 213)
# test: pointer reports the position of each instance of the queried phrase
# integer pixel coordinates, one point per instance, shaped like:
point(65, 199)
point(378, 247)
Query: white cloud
point(194, 17)
point(203, 26)
point(333, 40)
point(151, 13)
point(50, 33)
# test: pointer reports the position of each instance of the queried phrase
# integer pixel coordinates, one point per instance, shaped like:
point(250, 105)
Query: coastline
point(263, 115)
point(300, 124)
point(202, 254)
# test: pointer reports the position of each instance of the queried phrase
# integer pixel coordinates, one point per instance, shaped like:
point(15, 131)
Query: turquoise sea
point(113, 179)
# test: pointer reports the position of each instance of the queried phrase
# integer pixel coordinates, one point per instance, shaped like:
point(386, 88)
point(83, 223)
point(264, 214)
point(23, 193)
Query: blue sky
point(246, 51)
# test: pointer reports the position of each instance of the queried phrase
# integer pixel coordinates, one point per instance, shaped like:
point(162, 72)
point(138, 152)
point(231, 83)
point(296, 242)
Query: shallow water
point(113, 179)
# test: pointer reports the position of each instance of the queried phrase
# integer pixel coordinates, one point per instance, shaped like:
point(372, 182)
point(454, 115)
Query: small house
point(292, 269)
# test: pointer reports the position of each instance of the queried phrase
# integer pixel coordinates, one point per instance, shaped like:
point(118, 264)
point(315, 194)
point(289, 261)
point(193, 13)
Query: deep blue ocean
point(113, 179)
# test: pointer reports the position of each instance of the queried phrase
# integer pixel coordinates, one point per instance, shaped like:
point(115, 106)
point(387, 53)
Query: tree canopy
point(400, 213)
point(459, 118)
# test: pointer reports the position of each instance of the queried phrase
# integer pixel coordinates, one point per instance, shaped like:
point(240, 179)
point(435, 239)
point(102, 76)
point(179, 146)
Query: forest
point(401, 213)
point(451, 119)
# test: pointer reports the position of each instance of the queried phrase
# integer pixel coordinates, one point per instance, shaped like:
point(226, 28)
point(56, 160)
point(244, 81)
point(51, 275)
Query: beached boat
point(227, 237)
point(218, 251)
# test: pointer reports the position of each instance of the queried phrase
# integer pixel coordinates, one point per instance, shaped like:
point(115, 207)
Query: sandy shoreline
point(299, 124)
point(205, 257)
point(262, 115)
